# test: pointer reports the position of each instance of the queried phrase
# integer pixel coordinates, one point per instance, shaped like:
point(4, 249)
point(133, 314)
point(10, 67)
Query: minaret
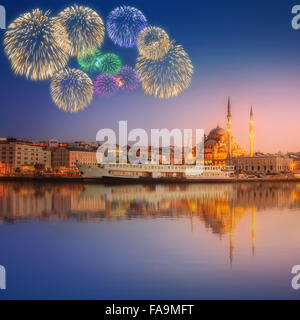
point(229, 129)
point(251, 133)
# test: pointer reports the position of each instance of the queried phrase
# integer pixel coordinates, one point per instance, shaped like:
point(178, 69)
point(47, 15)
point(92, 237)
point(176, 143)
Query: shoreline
point(57, 179)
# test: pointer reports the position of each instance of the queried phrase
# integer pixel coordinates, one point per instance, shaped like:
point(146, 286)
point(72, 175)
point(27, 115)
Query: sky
point(243, 49)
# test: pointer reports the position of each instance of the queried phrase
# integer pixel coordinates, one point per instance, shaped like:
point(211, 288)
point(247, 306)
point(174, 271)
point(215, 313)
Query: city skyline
point(232, 56)
point(239, 151)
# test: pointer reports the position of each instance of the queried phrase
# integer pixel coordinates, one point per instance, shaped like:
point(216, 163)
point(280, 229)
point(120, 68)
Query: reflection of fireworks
point(35, 44)
point(110, 63)
point(166, 77)
point(123, 24)
point(84, 27)
point(72, 90)
point(128, 78)
point(106, 85)
point(89, 60)
point(153, 43)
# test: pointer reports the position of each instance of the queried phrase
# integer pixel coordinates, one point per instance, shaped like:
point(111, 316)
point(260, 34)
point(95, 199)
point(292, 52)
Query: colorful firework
point(118, 79)
point(89, 60)
point(128, 78)
point(153, 43)
point(110, 63)
point(72, 90)
point(123, 24)
point(84, 27)
point(106, 85)
point(36, 45)
point(166, 77)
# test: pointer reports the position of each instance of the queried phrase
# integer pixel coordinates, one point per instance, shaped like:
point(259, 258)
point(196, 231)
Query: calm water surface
point(198, 241)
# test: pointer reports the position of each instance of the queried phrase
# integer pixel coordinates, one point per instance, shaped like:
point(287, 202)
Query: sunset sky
point(243, 49)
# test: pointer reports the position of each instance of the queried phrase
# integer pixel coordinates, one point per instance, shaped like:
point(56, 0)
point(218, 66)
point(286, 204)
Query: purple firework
point(106, 85)
point(123, 25)
point(128, 78)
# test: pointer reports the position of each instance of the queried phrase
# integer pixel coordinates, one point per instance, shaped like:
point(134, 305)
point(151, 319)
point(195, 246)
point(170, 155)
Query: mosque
point(220, 146)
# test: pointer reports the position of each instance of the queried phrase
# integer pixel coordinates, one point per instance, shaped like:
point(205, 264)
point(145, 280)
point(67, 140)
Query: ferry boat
point(122, 172)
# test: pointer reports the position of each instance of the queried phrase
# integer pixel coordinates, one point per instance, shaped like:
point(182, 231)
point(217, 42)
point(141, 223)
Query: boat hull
point(150, 180)
point(127, 174)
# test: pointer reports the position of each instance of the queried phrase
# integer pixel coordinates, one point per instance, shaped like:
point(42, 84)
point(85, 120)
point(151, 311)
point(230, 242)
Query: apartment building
point(18, 153)
point(69, 156)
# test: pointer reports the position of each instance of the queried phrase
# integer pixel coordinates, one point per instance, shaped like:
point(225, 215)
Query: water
point(198, 241)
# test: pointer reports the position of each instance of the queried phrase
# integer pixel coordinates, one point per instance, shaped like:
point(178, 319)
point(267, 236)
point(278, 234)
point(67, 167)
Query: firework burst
point(153, 43)
point(36, 45)
point(89, 60)
point(123, 24)
point(72, 90)
point(110, 63)
point(128, 78)
point(84, 27)
point(166, 77)
point(106, 85)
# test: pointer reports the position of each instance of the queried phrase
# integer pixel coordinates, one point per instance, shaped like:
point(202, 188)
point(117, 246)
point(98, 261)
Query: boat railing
point(168, 167)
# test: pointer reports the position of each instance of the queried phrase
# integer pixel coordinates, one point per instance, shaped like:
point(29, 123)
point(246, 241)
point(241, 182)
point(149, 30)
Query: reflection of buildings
point(219, 207)
point(212, 203)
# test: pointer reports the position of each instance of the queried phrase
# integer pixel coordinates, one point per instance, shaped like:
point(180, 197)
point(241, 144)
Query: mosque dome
point(211, 143)
point(217, 133)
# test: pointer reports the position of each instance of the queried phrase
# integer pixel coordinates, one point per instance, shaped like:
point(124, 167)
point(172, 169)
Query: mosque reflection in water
point(219, 207)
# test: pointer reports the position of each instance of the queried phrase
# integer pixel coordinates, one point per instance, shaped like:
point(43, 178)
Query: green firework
point(110, 63)
point(89, 60)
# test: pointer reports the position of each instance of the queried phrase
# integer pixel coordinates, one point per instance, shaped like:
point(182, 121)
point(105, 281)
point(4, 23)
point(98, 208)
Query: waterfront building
point(17, 153)
point(3, 169)
point(268, 164)
point(68, 157)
